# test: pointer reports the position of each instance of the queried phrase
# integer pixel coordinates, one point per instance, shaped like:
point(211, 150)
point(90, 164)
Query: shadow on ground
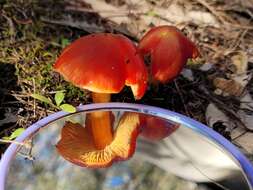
point(9, 106)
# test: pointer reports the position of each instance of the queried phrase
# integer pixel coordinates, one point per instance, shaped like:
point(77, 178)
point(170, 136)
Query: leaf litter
point(219, 82)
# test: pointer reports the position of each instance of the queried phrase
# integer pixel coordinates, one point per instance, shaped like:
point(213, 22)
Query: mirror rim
point(233, 152)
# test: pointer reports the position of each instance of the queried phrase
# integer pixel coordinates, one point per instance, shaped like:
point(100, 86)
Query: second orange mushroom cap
point(103, 63)
point(168, 49)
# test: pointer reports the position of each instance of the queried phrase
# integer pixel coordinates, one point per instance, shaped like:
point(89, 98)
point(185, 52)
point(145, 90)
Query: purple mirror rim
point(243, 162)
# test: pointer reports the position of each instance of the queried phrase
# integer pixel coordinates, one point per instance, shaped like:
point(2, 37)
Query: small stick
point(212, 10)
point(182, 99)
point(26, 156)
point(34, 102)
point(15, 142)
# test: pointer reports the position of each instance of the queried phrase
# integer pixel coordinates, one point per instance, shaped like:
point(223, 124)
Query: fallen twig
point(212, 10)
point(27, 145)
point(90, 28)
point(182, 98)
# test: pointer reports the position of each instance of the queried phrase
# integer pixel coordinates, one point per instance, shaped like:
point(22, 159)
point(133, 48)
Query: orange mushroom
point(78, 146)
point(103, 63)
point(168, 49)
point(154, 128)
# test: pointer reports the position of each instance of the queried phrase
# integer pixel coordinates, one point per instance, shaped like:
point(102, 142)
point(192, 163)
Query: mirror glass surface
point(183, 159)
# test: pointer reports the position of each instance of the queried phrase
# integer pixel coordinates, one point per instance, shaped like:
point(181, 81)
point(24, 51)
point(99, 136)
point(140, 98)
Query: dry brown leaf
point(229, 86)
point(240, 61)
point(236, 82)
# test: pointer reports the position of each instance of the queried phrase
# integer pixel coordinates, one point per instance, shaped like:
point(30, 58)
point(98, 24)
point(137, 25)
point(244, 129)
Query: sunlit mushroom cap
point(103, 63)
point(155, 129)
point(77, 145)
point(168, 49)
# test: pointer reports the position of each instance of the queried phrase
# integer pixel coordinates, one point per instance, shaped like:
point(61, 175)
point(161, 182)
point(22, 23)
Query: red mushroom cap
point(103, 63)
point(155, 129)
point(169, 50)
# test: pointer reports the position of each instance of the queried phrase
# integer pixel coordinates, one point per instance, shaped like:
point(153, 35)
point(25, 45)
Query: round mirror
point(174, 153)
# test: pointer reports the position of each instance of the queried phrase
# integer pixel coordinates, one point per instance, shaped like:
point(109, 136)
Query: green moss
point(33, 48)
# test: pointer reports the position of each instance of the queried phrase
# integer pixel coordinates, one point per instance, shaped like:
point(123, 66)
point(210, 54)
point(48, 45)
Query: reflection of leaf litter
point(117, 176)
point(184, 153)
point(115, 181)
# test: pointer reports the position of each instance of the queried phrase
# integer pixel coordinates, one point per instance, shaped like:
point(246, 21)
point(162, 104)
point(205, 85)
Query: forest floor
point(216, 89)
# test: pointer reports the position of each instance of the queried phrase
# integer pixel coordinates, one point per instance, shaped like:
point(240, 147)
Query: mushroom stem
point(101, 122)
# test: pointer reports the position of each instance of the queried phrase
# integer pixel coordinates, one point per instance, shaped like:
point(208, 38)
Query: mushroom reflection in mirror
point(155, 129)
point(77, 144)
